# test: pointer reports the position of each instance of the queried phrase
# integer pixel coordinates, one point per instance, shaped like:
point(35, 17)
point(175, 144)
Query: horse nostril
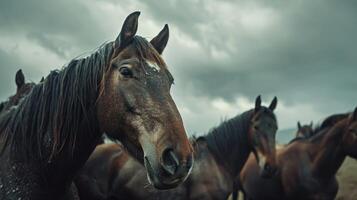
point(267, 167)
point(170, 162)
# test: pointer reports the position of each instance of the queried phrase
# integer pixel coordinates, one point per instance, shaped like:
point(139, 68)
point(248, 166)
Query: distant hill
point(284, 136)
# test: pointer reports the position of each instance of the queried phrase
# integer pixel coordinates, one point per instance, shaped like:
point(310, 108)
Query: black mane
point(228, 142)
point(319, 130)
point(56, 111)
point(325, 125)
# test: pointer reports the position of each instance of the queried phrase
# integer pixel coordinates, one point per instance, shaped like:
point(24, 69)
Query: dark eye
point(126, 72)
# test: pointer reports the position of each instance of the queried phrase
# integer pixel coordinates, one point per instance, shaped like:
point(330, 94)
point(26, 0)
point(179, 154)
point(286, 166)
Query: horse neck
point(209, 173)
point(229, 143)
point(329, 154)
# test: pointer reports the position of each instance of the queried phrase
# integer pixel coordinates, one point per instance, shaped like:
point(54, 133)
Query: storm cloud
point(221, 53)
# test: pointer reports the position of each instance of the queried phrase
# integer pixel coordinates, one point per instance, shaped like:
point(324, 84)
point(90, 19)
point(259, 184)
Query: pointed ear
point(19, 79)
point(273, 104)
point(160, 41)
point(354, 115)
point(42, 79)
point(299, 125)
point(258, 103)
point(128, 30)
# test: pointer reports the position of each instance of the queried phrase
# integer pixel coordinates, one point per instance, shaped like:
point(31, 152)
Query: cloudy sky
point(222, 53)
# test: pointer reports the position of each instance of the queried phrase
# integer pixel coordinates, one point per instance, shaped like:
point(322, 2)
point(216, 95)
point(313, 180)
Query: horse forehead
point(154, 75)
point(265, 115)
point(153, 65)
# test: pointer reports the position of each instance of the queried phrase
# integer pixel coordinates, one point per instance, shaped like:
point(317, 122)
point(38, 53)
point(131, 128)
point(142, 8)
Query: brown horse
point(304, 131)
point(307, 168)
point(112, 173)
point(122, 89)
point(22, 89)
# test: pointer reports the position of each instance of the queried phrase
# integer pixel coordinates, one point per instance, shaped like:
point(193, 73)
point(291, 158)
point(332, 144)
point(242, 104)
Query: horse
point(111, 173)
point(307, 168)
point(122, 89)
point(303, 132)
point(22, 89)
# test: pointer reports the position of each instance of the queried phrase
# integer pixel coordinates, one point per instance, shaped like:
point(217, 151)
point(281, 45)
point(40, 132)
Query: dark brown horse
point(304, 131)
point(307, 168)
point(122, 89)
point(22, 89)
point(112, 173)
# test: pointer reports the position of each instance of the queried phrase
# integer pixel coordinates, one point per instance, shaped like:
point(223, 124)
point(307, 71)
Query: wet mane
point(56, 112)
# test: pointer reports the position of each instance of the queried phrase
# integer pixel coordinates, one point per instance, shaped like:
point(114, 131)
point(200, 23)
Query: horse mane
point(230, 138)
point(53, 114)
point(325, 125)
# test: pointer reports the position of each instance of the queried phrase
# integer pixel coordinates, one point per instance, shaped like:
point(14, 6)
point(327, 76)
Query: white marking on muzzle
point(262, 160)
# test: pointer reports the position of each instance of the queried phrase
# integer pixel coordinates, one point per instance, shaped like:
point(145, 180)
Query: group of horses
point(52, 146)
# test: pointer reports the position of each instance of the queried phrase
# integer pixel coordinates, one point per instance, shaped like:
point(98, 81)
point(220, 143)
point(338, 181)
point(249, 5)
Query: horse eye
point(126, 72)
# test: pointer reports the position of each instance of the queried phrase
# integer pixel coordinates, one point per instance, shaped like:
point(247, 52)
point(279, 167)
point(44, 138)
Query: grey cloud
point(71, 20)
point(59, 47)
point(307, 55)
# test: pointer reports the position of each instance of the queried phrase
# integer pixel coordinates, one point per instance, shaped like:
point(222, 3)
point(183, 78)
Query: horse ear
point(42, 79)
point(128, 30)
point(299, 125)
point(273, 104)
point(19, 79)
point(258, 103)
point(160, 41)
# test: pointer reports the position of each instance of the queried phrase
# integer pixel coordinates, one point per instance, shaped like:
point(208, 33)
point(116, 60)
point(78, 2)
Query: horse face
point(350, 137)
point(22, 90)
point(136, 107)
point(262, 133)
point(304, 131)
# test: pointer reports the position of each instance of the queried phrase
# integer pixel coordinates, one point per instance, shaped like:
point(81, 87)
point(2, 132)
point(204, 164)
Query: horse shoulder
point(93, 179)
point(295, 164)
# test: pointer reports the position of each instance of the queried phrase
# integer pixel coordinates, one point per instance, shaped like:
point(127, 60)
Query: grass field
point(347, 178)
